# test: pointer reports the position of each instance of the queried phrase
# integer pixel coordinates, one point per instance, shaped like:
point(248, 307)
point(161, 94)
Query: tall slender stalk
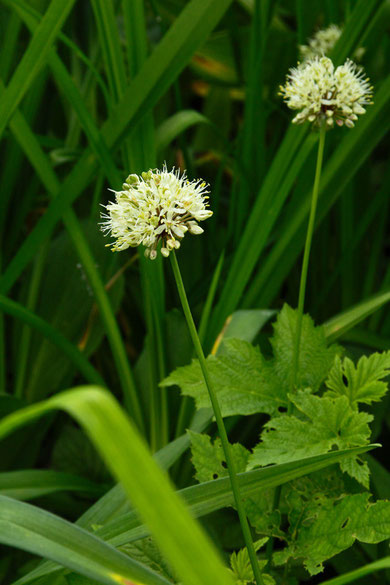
point(306, 256)
point(218, 417)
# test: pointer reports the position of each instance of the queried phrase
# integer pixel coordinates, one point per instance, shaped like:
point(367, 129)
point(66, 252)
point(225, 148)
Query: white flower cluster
point(157, 206)
point(325, 94)
point(321, 43)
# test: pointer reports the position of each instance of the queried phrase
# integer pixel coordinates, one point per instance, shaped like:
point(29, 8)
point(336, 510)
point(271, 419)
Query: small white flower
point(158, 206)
point(324, 94)
point(321, 43)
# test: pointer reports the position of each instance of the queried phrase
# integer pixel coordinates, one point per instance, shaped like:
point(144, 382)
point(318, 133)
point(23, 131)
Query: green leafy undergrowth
point(317, 516)
point(241, 566)
point(246, 382)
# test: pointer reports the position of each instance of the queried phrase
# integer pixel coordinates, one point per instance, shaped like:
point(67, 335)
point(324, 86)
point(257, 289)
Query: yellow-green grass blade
point(208, 497)
point(42, 533)
point(340, 324)
point(184, 544)
point(74, 354)
point(34, 58)
point(353, 576)
point(28, 484)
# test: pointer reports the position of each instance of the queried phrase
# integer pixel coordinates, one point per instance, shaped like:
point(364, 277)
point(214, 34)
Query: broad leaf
point(247, 383)
point(336, 527)
point(326, 424)
point(360, 383)
point(241, 377)
point(315, 358)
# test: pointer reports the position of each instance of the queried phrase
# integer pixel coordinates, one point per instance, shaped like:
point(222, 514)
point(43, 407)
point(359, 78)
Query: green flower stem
point(306, 256)
point(301, 299)
point(218, 417)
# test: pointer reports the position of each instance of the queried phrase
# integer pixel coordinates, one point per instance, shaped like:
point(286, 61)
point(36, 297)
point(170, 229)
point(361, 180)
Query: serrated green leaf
point(246, 383)
point(241, 566)
point(326, 424)
point(315, 358)
point(336, 527)
point(242, 379)
point(360, 383)
point(209, 459)
point(146, 552)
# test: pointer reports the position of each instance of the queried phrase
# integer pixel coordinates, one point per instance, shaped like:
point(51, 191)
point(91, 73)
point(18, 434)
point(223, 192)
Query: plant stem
point(306, 255)
point(301, 300)
point(218, 417)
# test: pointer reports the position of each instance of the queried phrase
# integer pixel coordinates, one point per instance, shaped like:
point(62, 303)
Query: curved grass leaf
point(34, 483)
point(340, 324)
point(40, 532)
point(180, 538)
point(353, 576)
point(208, 497)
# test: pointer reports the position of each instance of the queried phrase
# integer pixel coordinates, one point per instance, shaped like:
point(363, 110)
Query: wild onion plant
point(112, 469)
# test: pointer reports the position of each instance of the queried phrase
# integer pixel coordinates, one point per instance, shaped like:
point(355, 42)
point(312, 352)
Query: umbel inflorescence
point(321, 43)
point(325, 94)
point(158, 206)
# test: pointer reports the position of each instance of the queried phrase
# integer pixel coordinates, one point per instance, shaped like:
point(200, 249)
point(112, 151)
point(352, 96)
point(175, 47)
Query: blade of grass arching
point(208, 497)
point(28, 484)
point(75, 356)
point(345, 161)
point(34, 58)
point(203, 499)
point(44, 170)
point(353, 576)
point(42, 533)
point(181, 540)
point(172, 54)
point(340, 324)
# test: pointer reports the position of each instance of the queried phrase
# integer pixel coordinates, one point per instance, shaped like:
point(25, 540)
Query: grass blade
point(47, 535)
point(180, 538)
point(34, 58)
point(32, 483)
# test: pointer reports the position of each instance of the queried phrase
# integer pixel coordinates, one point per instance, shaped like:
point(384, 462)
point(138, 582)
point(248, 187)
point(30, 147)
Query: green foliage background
point(91, 91)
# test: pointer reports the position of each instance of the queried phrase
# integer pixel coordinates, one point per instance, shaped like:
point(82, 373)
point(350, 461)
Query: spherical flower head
point(325, 94)
point(321, 43)
point(158, 206)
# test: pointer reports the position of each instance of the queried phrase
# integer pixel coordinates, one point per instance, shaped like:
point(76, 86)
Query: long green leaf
point(25, 526)
point(34, 483)
point(180, 538)
point(34, 58)
point(352, 576)
point(208, 497)
point(340, 324)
